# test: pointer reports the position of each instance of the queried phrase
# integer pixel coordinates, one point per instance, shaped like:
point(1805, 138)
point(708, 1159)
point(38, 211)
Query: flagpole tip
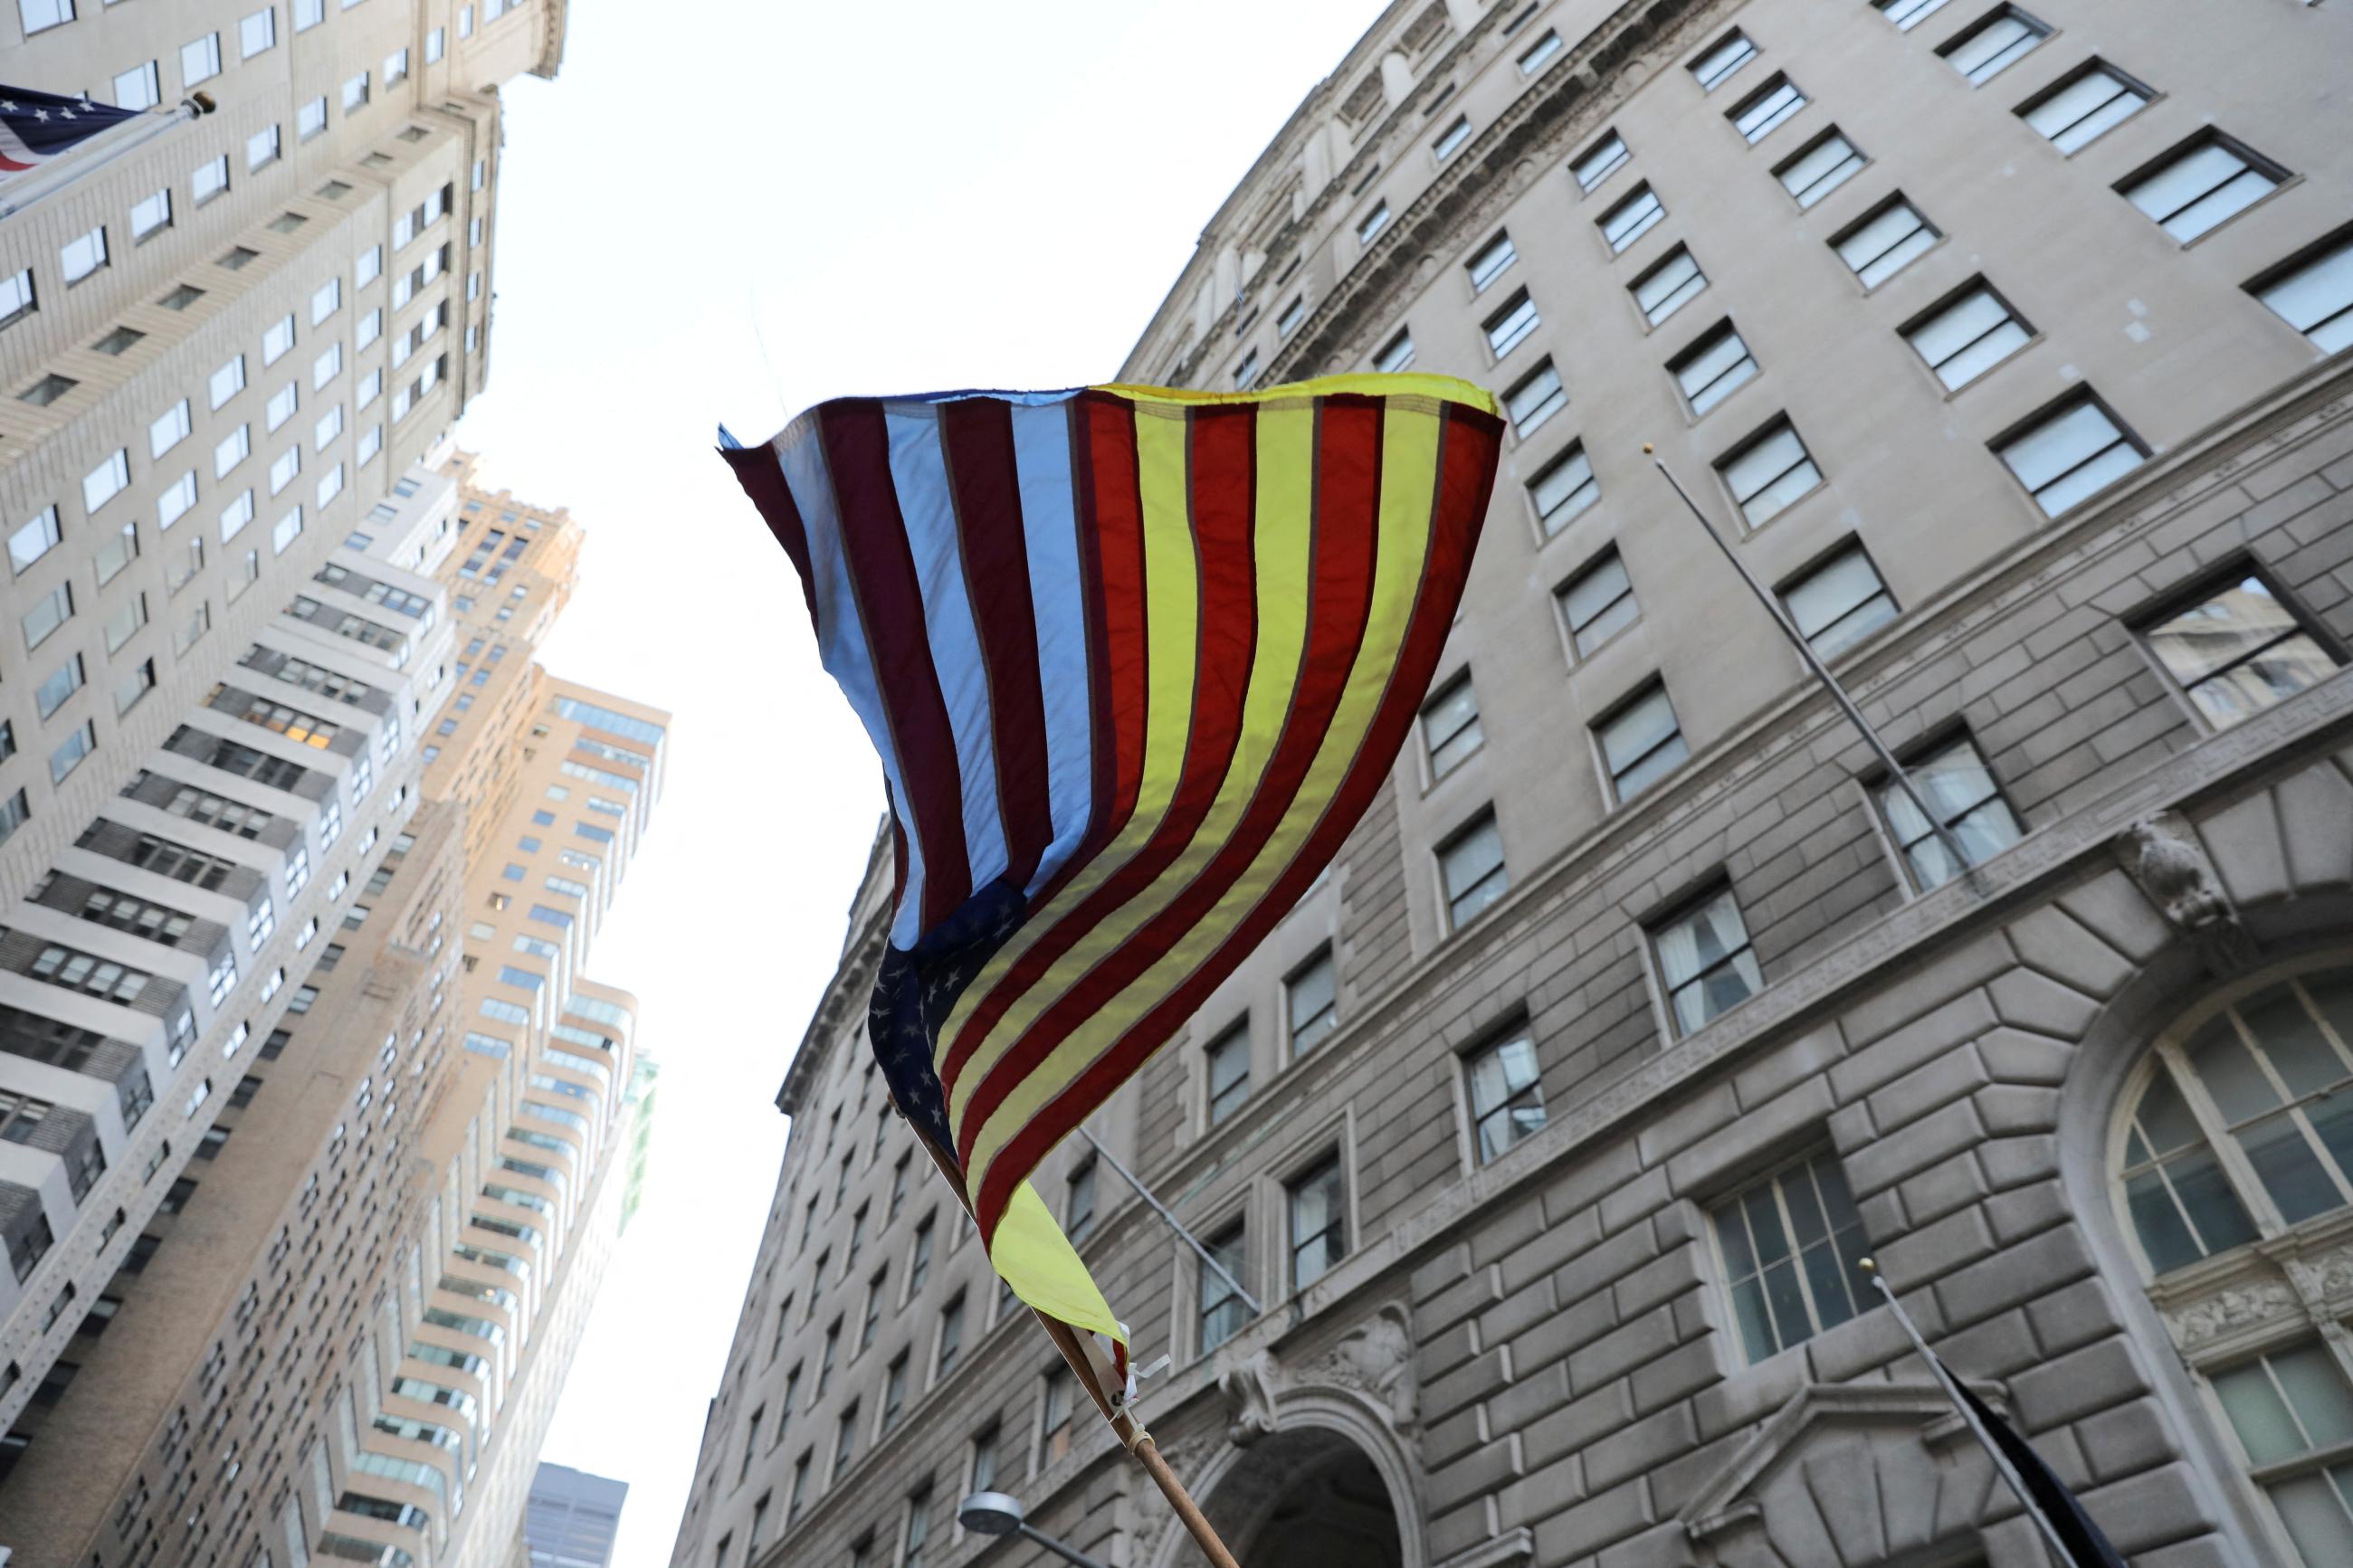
point(1648, 449)
point(1867, 1265)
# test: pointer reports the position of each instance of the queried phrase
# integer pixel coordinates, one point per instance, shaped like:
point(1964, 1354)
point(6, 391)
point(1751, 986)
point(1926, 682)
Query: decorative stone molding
point(2228, 1313)
point(1374, 1359)
point(2164, 858)
point(2224, 1308)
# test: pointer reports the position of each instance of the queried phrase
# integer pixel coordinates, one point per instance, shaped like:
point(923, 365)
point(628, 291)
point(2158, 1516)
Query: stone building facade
point(2005, 346)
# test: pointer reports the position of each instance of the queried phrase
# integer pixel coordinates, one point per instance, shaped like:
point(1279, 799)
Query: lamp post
point(999, 1513)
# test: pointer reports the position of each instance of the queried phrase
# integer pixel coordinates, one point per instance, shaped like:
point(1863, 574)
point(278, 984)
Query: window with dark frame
point(2236, 649)
point(1506, 1093)
point(1221, 1310)
point(1789, 1244)
point(1319, 1223)
point(1228, 1062)
point(1706, 965)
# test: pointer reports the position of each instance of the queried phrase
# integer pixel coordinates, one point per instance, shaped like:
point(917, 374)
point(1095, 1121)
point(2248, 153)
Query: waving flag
point(36, 127)
point(1135, 661)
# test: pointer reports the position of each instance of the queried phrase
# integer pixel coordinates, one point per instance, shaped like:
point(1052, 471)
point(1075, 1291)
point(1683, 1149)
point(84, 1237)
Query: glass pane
point(1755, 1325)
point(2332, 993)
point(1855, 626)
point(2291, 1038)
point(1739, 1259)
point(1986, 831)
point(1764, 1225)
point(2274, 675)
point(2258, 1415)
point(1607, 624)
point(2219, 630)
point(1637, 729)
point(2316, 1521)
point(2165, 1117)
point(2317, 1392)
point(2229, 1073)
point(1827, 594)
point(2212, 1203)
point(1787, 1302)
point(1828, 1281)
point(1595, 591)
point(1767, 504)
point(1805, 1209)
point(2290, 1172)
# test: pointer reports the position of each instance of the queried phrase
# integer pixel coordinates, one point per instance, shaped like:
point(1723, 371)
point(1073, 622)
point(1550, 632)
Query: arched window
point(2239, 1130)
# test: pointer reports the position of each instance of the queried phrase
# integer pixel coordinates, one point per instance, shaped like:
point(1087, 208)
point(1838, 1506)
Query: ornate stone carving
point(1248, 1393)
point(2322, 1277)
point(1376, 1358)
point(2200, 1322)
point(2163, 856)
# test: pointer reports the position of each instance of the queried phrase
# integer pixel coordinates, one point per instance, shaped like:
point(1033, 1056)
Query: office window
point(1598, 603)
point(1372, 223)
point(845, 1439)
point(1968, 335)
point(39, 15)
point(232, 450)
point(2237, 650)
point(1715, 366)
point(1641, 744)
point(1491, 261)
point(1054, 1400)
point(148, 214)
point(1536, 56)
point(1471, 872)
point(1724, 58)
point(1228, 1062)
point(369, 267)
point(141, 87)
point(1600, 161)
point(1757, 116)
point(1079, 1202)
point(1449, 140)
point(1769, 472)
point(2291, 1410)
point(951, 1337)
point(1319, 1223)
point(2201, 185)
point(1790, 1245)
point(34, 540)
point(396, 66)
point(1961, 791)
point(919, 1528)
point(200, 60)
point(1221, 1309)
point(1311, 998)
point(227, 381)
point(1397, 355)
point(1668, 286)
point(309, 14)
point(2069, 450)
point(2314, 294)
point(1839, 603)
point(1907, 13)
point(326, 299)
point(794, 1498)
point(2084, 107)
point(1706, 963)
point(310, 118)
point(751, 1442)
point(1535, 398)
point(1828, 162)
point(355, 93)
point(52, 694)
point(894, 1391)
point(1565, 487)
point(1506, 1095)
point(80, 256)
point(436, 43)
point(17, 297)
point(1449, 725)
point(1881, 245)
point(1632, 218)
point(278, 339)
point(981, 1471)
point(209, 179)
point(1510, 326)
point(1292, 314)
point(1246, 371)
point(257, 33)
point(919, 1261)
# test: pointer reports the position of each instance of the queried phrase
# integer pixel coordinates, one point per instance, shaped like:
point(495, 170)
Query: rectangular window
point(232, 450)
point(1960, 789)
point(2069, 450)
point(982, 1470)
point(34, 540)
point(1706, 964)
point(50, 611)
point(1223, 1311)
point(1246, 371)
point(1632, 218)
point(1450, 140)
point(1838, 604)
point(845, 1439)
point(326, 299)
point(1535, 398)
point(281, 406)
point(1227, 1061)
point(68, 755)
point(278, 339)
point(310, 119)
point(1881, 245)
point(1540, 53)
point(150, 213)
point(1311, 998)
point(1449, 725)
point(919, 1528)
point(1600, 161)
point(1715, 366)
point(355, 93)
point(2085, 106)
point(1491, 262)
point(78, 258)
point(1641, 744)
point(208, 180)
point(1769, 472)
point(18, 298)
point(1757, 116)
point(894, 1391)
point(2201, 185)
point(1079, 1200)
point(1471, 872)
point(1669, 287)
point(2237, 650)
point(142, 87)
point(1789, 1245)
point(1507, 1093)
point(1397, 355)
point(200, 60)
point(1907, 13)
point(2291, 1410)
point(951, 1337)
point(2314, 294)
point(1564, 488)
point(1598, 603)
point(1828, 162)
point(396, 66)
point(1292, 314)
point(1372, 223)
point(1054, 1401)
point(1968, 335)
point(1510, 326)
point(1724, 58)
point(257, 33)
point(1992, 44)
point(1319, 1223)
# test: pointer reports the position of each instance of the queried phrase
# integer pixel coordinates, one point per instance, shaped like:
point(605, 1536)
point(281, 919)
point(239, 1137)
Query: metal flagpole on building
point(1209, 1259)
point(1896, 772)
point(64, 173)
point(1944, 1375)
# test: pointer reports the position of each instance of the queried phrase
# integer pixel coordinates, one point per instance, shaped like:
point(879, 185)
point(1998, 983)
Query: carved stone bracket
point(2163, 856)
point(1374, 1359)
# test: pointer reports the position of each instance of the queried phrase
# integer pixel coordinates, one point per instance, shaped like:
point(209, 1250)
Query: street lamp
point(999, 1513)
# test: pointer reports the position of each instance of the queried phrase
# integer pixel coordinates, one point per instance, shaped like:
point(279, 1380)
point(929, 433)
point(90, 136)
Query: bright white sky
point(913, 197)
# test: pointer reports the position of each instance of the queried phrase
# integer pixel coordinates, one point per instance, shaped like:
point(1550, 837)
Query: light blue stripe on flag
point(1041, 459)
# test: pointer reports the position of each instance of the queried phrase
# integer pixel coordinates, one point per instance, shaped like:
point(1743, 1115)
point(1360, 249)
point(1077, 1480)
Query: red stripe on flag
point(1471, 444)
point(1118, 540)
point(762, 479)
point(891, 606)
point(1222, 475)
point(977, 441)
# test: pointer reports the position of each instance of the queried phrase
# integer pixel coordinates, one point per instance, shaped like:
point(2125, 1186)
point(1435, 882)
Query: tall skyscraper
point(572, 1518)
point(2007, 346)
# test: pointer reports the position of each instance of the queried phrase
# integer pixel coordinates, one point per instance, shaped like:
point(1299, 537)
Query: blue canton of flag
point(36, 127)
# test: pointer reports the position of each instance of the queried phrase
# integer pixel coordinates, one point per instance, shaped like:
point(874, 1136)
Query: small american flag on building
point(36, 127)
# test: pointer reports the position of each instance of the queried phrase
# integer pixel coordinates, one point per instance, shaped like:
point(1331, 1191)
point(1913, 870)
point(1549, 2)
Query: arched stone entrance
point(1306, 1498)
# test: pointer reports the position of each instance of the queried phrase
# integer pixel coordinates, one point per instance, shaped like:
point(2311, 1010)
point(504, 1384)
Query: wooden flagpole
point(1132, 1437)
